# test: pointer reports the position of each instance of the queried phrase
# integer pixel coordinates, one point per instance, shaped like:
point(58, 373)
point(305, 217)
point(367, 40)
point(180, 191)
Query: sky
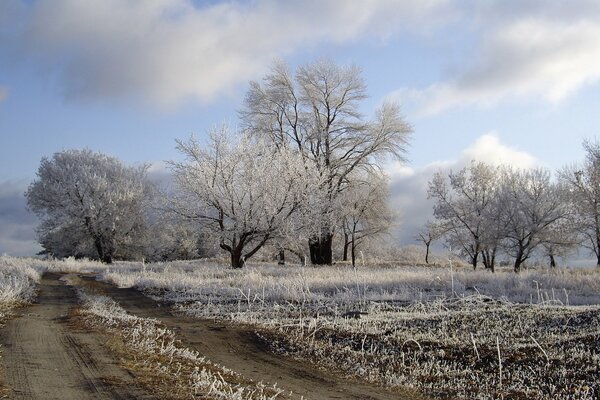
point(502, 81)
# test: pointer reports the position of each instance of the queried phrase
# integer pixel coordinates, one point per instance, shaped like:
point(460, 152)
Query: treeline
point(303, 169)
point(486, 211)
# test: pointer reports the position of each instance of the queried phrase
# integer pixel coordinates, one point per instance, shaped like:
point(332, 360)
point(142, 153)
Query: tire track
point(45, 359)
point(239, 349)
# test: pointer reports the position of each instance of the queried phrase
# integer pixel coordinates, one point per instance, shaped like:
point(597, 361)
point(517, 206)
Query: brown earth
point(44, 357)
point(240, 350)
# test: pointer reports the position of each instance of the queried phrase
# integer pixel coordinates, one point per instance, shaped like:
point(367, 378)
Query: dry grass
point(161, 362)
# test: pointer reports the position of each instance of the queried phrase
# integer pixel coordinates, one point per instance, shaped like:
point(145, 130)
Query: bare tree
point(316, 113)
point(583, 183)
point(532, 207)
point(90, 204)
point(560, 240)
point(427, 235)
point(241, 189)
point(365, 209)
point(463, 201)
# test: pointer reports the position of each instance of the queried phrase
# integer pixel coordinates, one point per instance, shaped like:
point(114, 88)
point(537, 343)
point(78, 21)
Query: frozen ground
point(448, 332)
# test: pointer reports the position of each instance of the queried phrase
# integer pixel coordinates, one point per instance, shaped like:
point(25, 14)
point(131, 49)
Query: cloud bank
point(531, 49)
point(168, 51)
point(17, 224)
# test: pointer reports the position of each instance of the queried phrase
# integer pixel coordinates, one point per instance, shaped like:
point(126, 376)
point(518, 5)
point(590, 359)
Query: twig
point(499, 362)
point(540, 347)
point(475, 347)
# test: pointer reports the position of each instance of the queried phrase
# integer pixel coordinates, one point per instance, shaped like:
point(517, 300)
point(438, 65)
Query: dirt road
point(43, 357)
point(239, 350)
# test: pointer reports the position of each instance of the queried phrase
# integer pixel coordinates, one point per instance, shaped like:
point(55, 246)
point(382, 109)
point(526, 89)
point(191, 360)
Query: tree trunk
point(103, 254)
point(518, 261)
point(320, 249)
point(346, 245)
point(353, 251)
point(427, 253)
point(598, 261)
point(552, 261)
point(281, 257)
point(489, 259)
point(237, 261)
point(474, 260)
point(517, 266)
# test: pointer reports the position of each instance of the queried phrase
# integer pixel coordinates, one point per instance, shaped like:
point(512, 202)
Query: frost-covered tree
point(90, 205)
point(583, 183)
point(243, 190)
point(365, 211)
point(315, 112)
point(429, 233)
point(560, 240)
point(463, 203)
point(176, 239)
point(532, 206)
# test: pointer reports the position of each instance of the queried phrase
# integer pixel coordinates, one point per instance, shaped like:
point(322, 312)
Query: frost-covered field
point(451, 333)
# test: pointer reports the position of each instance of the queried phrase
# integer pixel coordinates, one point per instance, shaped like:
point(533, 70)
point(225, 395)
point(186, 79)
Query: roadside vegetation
point(160, 361)
point(17, 283)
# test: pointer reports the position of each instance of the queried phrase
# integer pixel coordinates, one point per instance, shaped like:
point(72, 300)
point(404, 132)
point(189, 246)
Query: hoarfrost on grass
point(458, 334)
point(157, 348)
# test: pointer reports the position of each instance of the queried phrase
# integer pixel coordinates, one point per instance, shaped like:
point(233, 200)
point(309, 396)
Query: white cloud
point(408, 186)
point(488, 148)
point(538, 50)
point(166, 51)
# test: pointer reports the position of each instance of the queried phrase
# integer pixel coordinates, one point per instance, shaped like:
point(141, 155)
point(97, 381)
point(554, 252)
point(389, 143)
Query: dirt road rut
point(44, 358)
point(239, 350)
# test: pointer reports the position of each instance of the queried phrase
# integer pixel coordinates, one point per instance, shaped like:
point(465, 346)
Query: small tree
point(463, 202)
point(583, 184)
point(532, 207)
point(90, 204)
point(243, 190)
point(427, 235)
point(365, 210)
point(560, 240)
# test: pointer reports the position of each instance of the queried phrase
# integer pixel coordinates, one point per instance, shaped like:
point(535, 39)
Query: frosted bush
point(17, 280)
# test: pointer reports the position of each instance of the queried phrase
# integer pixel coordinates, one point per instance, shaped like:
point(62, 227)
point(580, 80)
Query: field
point(446, 332)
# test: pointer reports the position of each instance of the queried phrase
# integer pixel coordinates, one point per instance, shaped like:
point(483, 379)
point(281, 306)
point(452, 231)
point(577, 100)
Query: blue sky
point(498, 80)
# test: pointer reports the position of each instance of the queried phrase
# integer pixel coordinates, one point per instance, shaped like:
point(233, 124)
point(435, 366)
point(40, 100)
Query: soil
point(239, 349)
point(45, 357)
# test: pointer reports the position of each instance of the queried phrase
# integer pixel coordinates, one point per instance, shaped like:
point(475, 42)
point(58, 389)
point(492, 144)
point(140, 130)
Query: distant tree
point(316, 113)
point(365, 211)
point(560, 240)
point(532, 208)
point(241, 189)
point(463, 201)
point(176, 239)
point(583, 183)
point(427, 235)
point(90, 205)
